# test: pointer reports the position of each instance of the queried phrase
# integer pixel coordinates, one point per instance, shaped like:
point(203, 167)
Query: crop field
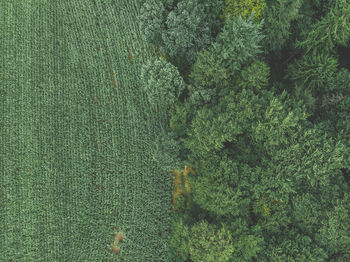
point(76, 134)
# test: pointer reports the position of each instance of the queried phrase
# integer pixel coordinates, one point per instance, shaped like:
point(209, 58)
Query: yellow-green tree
point(244, 8)
point(180, 189)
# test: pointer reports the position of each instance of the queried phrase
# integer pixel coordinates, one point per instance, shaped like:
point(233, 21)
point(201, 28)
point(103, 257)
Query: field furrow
point(76, 136)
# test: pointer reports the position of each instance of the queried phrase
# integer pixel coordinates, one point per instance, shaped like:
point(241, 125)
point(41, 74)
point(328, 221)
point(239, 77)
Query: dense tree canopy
point(278, 16)
point(333, 29)
point(187, 30)
point(162, 82)
point(151, 20)
point(244, 8)
point(264, 120)
point(238, 42)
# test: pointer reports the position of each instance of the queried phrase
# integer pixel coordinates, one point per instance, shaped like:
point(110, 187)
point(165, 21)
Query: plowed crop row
point(76, 129)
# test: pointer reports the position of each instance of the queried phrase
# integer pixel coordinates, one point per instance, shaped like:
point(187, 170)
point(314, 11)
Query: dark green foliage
point(339, 83)
point(207, 72)
point(333, 29)
point(328, 100)
point(323, 6)
point(180, 115)
point(334, 235)
point(293, 246)
point(178, 241)
point(278, 15)
point(152, 21)
point(332, 106)
point(255, 76)
point(169, 4)
point(212, 127)
point(304, 97)
point(239, 118)
point(344, 55)
point(279, 124)
point(243, 113)
point(312, 169)
point(213, 9)
point(167, 151)
point(201, 96)
point(213, 188)
point(307, 16)
point(312, 71)
point(306, 175)
point(161, 82)
point(207, 243)
point(206, 77)
point(238, 42)
point(336, 116)
point(248, 242)
point(187, 31)
point(272, 157)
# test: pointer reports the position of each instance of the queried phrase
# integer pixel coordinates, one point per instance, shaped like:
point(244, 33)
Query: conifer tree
point(152, 21)
point(278, 16)
point(206, 243)
point(238, 42)
point(167, 150)
point(256, 76)
point(331, 30)
point(187, 31)
point(161, 82)
point(313, 71)
point(207, 72)
point(244, 8)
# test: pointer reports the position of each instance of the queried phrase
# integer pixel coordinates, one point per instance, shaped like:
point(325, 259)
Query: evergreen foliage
point(271, 152)
point(255, 76)
point(238, 42)
point(323, 6)
point(334, 233)
point(206, 243)
point(161, 82)
point(207, 77)
point(244, 8)
point(248, 243)
point(167, 151)
point(278, 16)
point(213, 10)
point(312, 71)
point(207, 72)
point(331, 30)
point(201, 96)
point(340, 82)
point(152, 21)
point(178, 242)
point(187, 31)
point(180, 115)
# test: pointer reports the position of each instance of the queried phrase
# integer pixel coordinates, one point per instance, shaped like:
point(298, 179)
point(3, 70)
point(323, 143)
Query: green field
point(75, 148)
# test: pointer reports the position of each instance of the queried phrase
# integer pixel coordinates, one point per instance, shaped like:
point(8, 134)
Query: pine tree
point(255, 76)
point(161, 82)
point(187, 31)
point(331, 30)
point(238, 42)
point(278, 16)
point(152, 21)
point(206, 243)
point(312, 71)
point(244, 8)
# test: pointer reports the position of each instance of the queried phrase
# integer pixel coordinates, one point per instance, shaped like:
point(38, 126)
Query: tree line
point(257, 94)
